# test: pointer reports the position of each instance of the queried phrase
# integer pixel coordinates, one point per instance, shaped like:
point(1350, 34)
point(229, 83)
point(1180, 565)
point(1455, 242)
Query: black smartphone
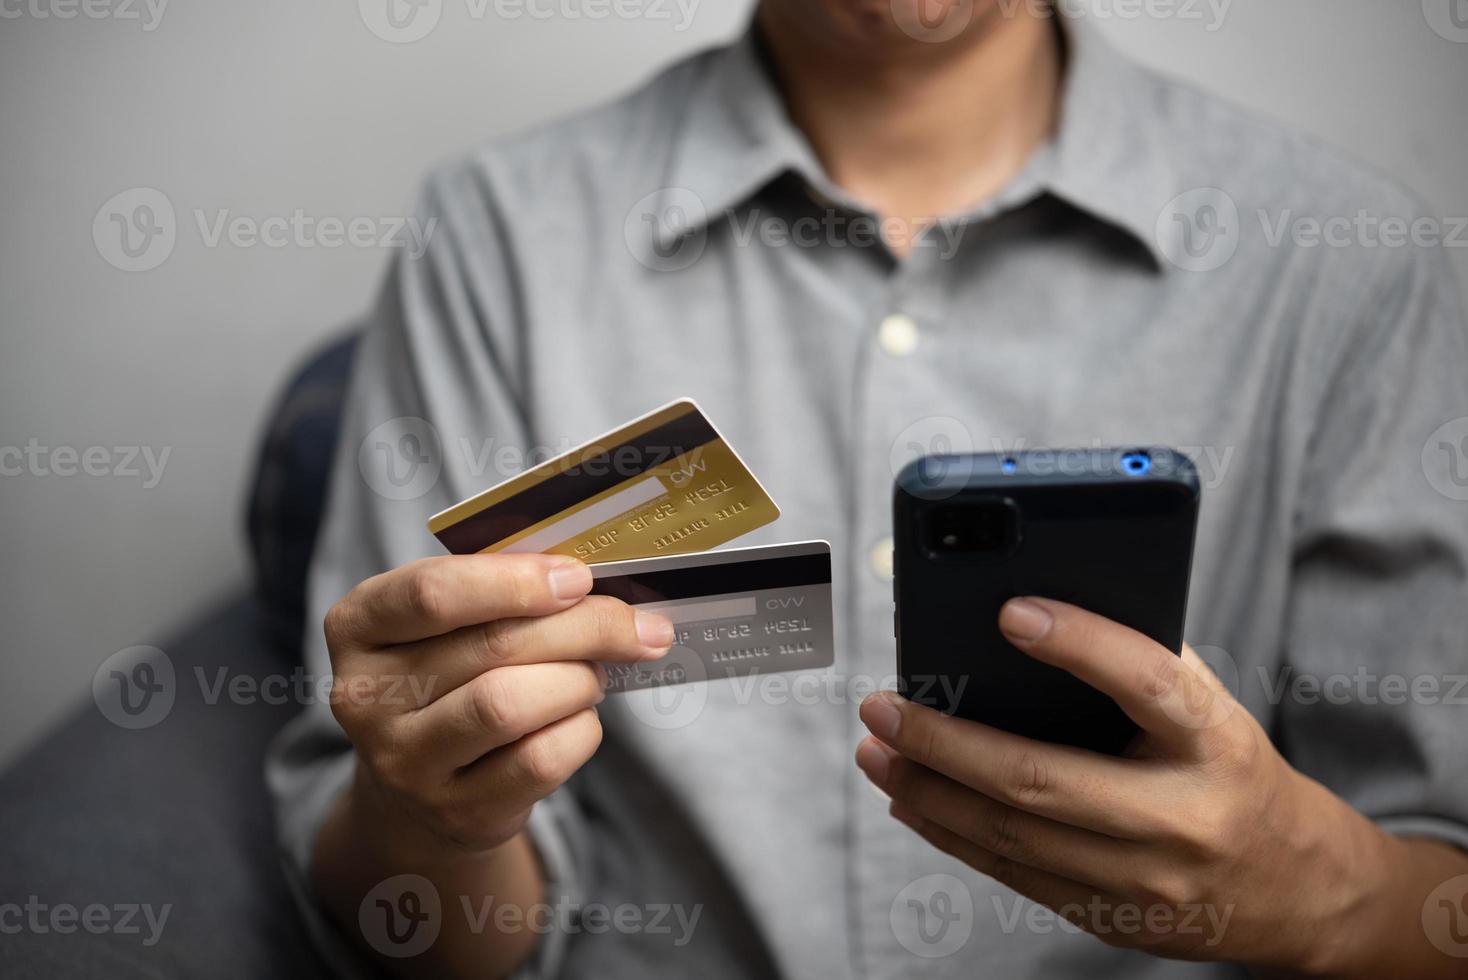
point(1109, 530)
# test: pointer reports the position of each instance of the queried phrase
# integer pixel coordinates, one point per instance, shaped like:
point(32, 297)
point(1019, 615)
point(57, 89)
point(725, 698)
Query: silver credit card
point(735, 613)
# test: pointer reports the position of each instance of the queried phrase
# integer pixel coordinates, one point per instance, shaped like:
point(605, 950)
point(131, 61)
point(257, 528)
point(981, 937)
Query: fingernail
point(874, 759)
point(881, 715)
point(654, 630)
point(1024, 620)
point(601, 676)
point(570, 580)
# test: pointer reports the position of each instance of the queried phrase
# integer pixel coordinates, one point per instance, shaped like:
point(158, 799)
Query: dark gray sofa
point(177, 815)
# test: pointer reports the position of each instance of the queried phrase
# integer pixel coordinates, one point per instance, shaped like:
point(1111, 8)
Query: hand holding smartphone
point(1109, 530)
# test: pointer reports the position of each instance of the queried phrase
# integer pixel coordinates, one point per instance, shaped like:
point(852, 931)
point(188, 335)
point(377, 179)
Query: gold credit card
point(663, 484)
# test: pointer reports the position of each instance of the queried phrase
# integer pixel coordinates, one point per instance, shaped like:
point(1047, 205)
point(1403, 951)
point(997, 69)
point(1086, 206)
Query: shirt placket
point(902, 344)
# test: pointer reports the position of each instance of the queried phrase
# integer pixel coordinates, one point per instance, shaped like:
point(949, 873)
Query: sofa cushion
point(170, 819)
point(288, 492)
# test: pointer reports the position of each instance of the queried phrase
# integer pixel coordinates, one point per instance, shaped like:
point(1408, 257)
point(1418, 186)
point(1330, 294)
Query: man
point(1034, 280)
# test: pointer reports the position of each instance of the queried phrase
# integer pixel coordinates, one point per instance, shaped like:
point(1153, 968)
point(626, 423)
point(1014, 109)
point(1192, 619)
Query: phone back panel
point(1089, 533)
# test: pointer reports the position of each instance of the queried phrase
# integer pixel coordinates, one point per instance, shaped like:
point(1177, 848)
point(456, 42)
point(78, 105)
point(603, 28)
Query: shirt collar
point(1107, 158)
point(735, 137)
point(1111, 158)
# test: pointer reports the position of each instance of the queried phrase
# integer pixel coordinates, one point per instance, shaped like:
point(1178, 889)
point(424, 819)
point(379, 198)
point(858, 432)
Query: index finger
point(434, 596)
point(1154, 686)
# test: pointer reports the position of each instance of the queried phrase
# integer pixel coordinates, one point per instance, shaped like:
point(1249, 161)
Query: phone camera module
point(972, 529)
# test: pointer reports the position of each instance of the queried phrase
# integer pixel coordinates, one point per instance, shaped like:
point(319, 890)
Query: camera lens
point(973, 528)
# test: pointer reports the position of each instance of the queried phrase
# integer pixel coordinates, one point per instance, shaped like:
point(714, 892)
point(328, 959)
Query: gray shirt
point(1149, 278)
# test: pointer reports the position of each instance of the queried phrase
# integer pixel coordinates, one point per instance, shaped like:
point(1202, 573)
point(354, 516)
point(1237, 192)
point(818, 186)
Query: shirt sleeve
point(436, 380)
point(1374, 700)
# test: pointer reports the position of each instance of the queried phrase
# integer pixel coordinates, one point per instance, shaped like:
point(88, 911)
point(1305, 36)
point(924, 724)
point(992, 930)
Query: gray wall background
point(270, 106)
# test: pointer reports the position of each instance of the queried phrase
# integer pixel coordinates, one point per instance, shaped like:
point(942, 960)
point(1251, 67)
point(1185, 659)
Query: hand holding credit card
point(639, 504)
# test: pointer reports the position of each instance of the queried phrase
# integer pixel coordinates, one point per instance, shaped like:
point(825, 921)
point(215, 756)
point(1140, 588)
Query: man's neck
point(930, 131)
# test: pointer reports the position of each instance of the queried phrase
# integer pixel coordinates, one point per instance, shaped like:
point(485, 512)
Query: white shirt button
point(881, 559)
point(898, 335)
